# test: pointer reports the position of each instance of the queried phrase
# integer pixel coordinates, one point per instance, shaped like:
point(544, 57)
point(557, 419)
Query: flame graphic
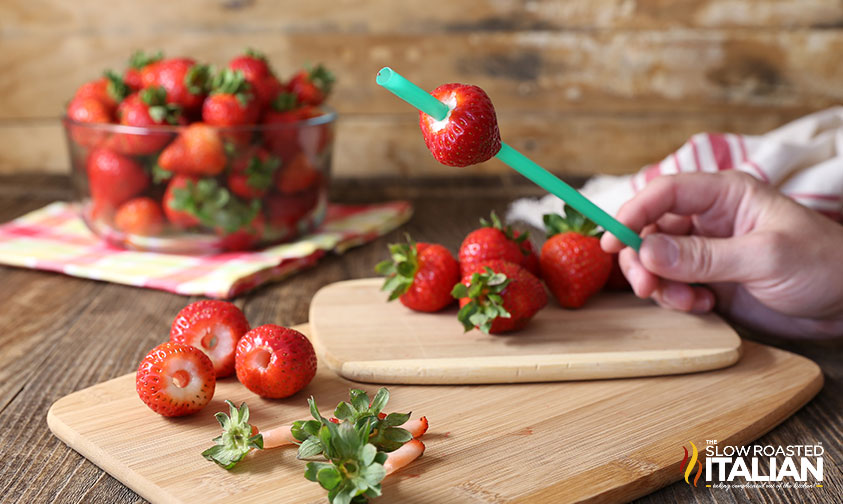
point(694, 461)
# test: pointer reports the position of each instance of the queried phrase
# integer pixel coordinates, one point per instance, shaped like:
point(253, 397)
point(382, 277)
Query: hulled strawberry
point(184, 80)
point(137, 62)
point(420, 275)
point(274, 361)
point(145, 109)
point(311, 87)
point(252, 173)
point(499, 296)
point(469, 133)
point(175, 379)
point(114, 178)
point(140, 216)
point(572, 262)
point(214, 327)
point(496, 241)
point(198, 150)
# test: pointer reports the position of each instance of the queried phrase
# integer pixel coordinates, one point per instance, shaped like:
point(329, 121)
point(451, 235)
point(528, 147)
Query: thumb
point(696, 258)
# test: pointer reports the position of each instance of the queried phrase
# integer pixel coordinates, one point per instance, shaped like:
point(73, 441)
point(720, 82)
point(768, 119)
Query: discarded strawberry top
point(438, 110)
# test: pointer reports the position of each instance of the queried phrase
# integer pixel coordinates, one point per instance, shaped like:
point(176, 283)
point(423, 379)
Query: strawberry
point(183, 79)
point(469, 133)
point(245, 237)
point(311, 87)
point(140, 216)
point(176, 208)
point(420, 275)
point(259, 75)
point(175, 379)
point(297, 175)
point(281, 130)
point(137, 62)
point(572, 262)
point(498, 296)
point(274, 361)
point(496, 241)
point(145, 109)
point(252, 173)
point(114, 178)
point(617, 281)
point(230, 102)
point(214, 327)
point(109, 89)
point(198, 150)
point(285, 212)
point(88, 110)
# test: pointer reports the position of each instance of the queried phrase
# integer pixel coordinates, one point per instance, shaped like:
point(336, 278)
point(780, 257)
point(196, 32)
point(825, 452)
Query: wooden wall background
point(583, 86)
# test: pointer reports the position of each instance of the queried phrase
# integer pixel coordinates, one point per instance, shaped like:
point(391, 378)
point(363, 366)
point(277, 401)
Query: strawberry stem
point(400, 270)
point(236, 440)
point(485, 302)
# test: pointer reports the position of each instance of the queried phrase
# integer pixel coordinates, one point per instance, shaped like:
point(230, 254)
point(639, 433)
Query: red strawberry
point(114, 178)
point(266, 90)
point(420, 275)
point(182, 78)
point(198, 150)
point(88, 110)
point(274, 361)
point(469, 133)
point(281, 129)
point(231, 102)
point(311, 87)
point(256, 70)
point(140, 216)
point(617, 281)
point(110, 90)
point(146, 109)
point(499, 296)
point(496, 241)
point(214, 327)
point(286, 211)
point(175, 379)
point(297, 175)
point(252, 173)
point(573, 264)
point(175, 207)
point(244, 238)
point(137, 62)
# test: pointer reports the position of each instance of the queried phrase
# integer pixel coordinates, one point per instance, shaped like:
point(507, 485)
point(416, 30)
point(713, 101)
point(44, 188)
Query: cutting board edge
point(670, 473)
point(87, 449)
point(522, 369)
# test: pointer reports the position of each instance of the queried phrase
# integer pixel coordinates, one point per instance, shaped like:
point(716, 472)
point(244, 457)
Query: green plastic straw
point(423, 101)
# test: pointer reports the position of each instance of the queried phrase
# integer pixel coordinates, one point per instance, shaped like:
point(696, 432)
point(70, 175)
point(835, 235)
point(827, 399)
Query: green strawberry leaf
point(485, 302)
point(573, 221)
point(495, 222)
point(322, 78)
point(139, 59)
point(400, 270)
point(261, 174)
point(236, 440)
point(117, 89)
point(284, 102)
point(197, 79)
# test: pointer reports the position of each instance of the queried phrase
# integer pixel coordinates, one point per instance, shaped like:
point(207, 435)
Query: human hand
point(768, 263)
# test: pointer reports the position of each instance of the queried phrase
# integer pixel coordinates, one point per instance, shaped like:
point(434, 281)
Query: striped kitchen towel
point(55, 238)
point(803, 159)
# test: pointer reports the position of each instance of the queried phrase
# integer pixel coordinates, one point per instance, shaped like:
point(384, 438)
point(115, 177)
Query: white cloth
point(803, 159)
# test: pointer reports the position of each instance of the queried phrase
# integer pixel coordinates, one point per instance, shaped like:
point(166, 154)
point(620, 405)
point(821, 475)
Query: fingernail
point(662, 249)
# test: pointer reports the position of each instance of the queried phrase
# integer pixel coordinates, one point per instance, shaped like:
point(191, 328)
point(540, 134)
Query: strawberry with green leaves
point(230, 101)
point(184, 80)
point(191, 201)
point(252, 173)
point(469, 133)
point(145, 109)
point(496, 241)
point(138, 61)
point(178, 203)
point(259, 75)
point(175, 379)
point(311, 87)
point(572, 262)
point(198, 150)
point(498, 297)
point(420, 275)
point(110, 90)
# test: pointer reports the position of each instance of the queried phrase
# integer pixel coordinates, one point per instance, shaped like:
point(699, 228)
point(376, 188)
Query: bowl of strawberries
point(174, 155)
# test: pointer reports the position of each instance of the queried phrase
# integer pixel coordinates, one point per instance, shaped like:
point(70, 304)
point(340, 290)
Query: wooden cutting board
point(363, 338)
point(608, 440)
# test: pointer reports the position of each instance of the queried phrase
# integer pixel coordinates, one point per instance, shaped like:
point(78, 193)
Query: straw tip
point(384, 74)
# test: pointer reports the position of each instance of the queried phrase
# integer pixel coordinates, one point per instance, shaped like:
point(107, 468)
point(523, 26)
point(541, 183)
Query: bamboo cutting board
point(363, 338)
point(607, 441)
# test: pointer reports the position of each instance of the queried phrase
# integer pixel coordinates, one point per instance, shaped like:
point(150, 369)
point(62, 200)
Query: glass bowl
point(235, 188)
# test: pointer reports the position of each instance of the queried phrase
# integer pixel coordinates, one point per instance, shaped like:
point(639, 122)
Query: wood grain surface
point(60, 334)
point(564, 75)
point(554, 447)
point(616, 335)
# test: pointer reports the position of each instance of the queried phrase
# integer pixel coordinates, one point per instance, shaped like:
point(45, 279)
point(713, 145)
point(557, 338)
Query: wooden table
point(60, 334)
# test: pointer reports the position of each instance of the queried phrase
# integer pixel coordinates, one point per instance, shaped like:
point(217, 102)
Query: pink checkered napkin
point(54, 238)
